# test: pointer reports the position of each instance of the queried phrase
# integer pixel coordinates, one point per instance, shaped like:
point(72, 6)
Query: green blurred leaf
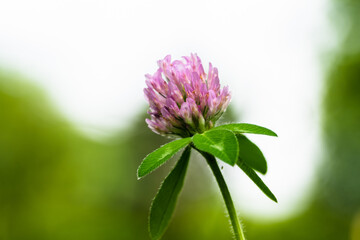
point(246, 128)
point(164, 203)
point(251, 154)
point(160, 156)
point(256, 179)
point(220, 143)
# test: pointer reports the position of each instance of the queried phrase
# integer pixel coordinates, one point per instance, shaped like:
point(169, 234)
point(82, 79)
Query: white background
point(91, 57)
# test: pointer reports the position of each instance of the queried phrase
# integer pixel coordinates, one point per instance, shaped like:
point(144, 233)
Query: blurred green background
point(56, 183)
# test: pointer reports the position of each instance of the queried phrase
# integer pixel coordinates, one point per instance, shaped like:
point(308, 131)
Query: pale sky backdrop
point(91, 57)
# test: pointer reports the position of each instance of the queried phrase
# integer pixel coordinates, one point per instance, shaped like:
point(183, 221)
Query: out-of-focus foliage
point(334, 209)
point(57, 184)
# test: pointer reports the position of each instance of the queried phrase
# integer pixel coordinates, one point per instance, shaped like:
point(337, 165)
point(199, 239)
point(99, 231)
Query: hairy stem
point(239, 235)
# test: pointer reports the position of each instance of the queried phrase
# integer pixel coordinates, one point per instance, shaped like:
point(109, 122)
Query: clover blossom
point(183, 99)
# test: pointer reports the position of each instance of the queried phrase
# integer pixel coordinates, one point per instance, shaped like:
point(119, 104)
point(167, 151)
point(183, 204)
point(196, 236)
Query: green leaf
point(164, 203)
point(160, 156)
point(257, 180)
point(251, 154)
point(246, 128)
point(220, 143)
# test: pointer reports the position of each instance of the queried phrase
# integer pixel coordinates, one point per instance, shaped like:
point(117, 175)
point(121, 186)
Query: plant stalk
point(239, 235)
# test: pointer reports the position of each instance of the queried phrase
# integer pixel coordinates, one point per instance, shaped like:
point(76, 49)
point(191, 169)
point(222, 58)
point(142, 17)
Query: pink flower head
point(183, 99)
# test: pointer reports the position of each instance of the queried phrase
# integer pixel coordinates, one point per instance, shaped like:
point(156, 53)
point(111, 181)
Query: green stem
point(239, 235)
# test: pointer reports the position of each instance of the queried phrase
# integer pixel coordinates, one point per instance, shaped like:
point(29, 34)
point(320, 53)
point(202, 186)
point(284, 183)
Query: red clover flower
point(183, 99)
point(186, 102)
